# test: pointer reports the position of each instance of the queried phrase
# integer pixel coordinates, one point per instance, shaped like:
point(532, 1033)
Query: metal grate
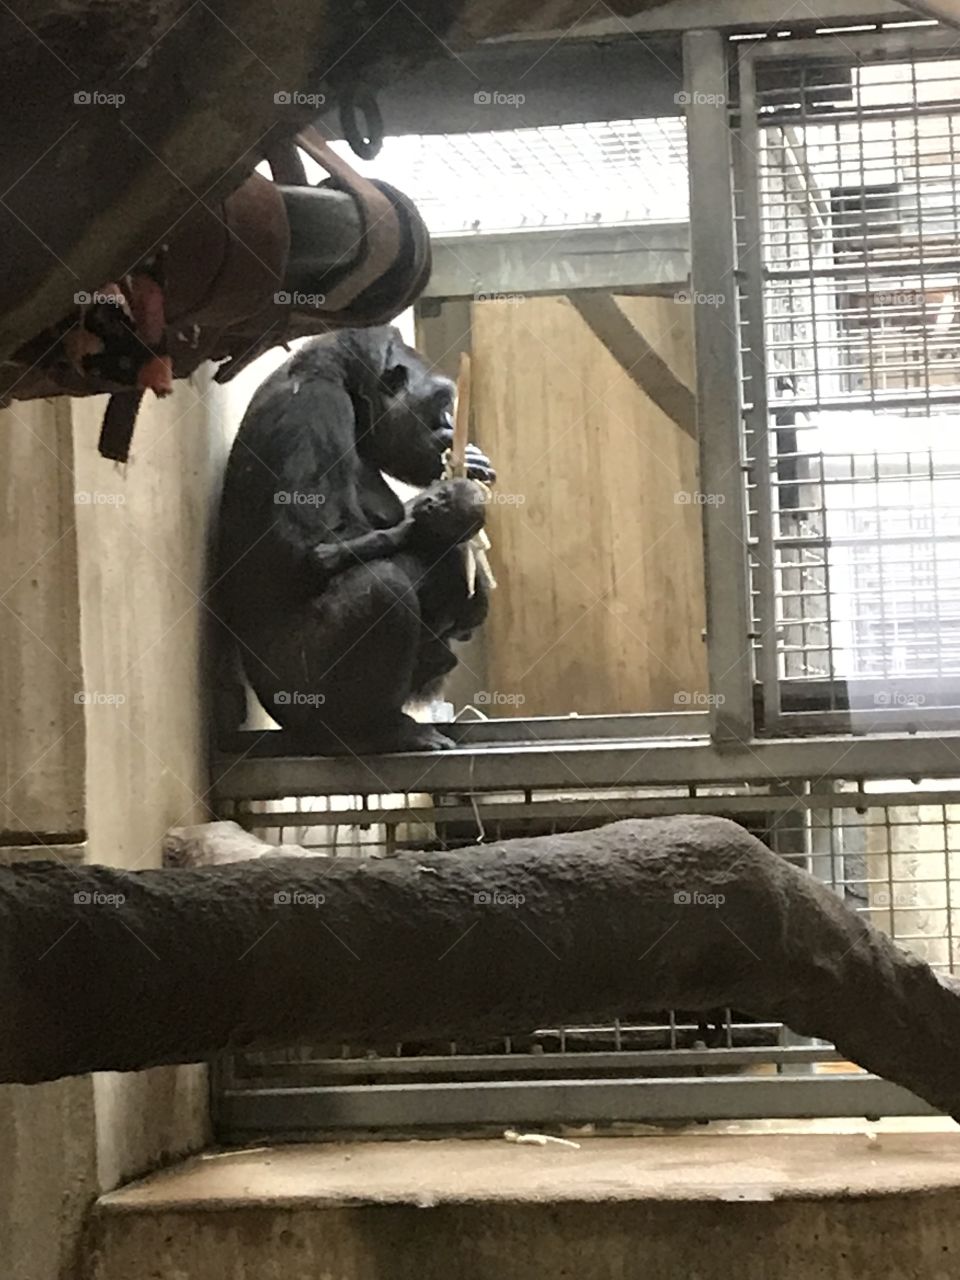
point(857, 426)
point(535, 179)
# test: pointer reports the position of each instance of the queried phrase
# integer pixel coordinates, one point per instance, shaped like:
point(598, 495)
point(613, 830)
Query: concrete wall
point(103, 746)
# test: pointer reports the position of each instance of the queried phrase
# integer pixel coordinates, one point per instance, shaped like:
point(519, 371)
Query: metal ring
point(365, 142)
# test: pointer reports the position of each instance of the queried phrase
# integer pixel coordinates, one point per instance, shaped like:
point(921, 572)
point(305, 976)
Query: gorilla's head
point(405, 420)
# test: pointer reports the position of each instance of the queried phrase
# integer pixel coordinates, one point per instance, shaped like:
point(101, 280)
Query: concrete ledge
point(797, 1206)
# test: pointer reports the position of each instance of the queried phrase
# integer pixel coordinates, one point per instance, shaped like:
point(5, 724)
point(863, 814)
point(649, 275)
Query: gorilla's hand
point(448, 513)
point(479, 466)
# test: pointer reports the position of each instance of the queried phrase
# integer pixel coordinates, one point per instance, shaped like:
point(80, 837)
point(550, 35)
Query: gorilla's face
point(412, 425)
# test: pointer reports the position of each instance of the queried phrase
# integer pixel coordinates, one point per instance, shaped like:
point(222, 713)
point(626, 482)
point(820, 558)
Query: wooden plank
point(597, 536)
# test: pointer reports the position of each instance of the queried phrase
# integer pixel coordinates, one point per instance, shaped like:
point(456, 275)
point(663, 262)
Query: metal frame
point(776, 718)
point(676, 753)
point(244, 1114)
point(623, 763)
point(647, 258)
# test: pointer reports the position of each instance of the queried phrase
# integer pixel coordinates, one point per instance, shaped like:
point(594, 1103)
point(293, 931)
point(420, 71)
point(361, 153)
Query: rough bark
point(686, 912)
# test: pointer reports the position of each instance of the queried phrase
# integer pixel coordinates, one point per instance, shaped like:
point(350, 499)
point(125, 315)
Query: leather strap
point(381, 226)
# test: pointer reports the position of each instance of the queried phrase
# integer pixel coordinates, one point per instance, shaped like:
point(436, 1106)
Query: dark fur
point(343, 601)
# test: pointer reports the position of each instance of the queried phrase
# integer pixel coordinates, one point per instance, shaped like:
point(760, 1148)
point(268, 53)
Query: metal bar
point(531, 1064)
point(535, 729)
point(762, 16)
point(600, 809)
point(873, 720)
point(511, 1103)
point(716, 328)
point(844, 48)
point(642, 763)
point(643, 257)
point(746, 144)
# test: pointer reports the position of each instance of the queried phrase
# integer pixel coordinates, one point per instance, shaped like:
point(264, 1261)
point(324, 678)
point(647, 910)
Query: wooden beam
point(638, 357)
point(943, 10)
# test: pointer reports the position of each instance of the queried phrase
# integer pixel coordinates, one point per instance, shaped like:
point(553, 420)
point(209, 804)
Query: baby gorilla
point(343, 600)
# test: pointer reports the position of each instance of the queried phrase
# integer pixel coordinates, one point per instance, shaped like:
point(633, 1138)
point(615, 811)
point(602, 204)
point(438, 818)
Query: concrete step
point(811, 1204)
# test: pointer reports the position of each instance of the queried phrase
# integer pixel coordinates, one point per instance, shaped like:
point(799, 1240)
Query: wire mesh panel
point(852, 242)
point(529, 179)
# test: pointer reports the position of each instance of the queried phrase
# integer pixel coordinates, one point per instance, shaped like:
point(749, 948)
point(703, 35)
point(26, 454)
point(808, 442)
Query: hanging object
point(364, 142)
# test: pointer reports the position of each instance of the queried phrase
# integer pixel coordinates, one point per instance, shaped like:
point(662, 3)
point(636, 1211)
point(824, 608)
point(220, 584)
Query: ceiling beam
point(944, 10)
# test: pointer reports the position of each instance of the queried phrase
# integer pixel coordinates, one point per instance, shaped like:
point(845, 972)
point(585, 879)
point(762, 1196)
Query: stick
point(475, 552)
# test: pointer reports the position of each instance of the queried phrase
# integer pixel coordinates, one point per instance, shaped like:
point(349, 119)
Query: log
point(104, 969)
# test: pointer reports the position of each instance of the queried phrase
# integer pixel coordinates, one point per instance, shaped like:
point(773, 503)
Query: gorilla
point(343, 601)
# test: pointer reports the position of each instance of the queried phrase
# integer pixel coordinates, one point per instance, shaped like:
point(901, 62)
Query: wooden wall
point(601, 603)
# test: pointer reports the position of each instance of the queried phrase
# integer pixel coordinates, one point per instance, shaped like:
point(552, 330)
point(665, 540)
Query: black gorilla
point(343, 600)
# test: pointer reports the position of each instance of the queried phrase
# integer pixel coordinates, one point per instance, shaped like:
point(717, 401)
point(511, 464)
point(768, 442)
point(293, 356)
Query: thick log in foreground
point(102, 969)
